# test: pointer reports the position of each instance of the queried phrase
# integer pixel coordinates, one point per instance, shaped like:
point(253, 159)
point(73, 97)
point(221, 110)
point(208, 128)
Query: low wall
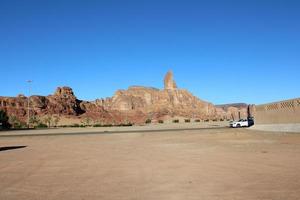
point(278, 112)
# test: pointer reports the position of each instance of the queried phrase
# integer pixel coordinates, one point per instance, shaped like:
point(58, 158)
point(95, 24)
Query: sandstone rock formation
point(136, 104)
point(170, 84)
point(154, 102)
point(64, 102)
point(232, 111)
point(14, 106)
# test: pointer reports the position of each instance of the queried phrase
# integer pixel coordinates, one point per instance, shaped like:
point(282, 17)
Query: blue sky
point(222, 51)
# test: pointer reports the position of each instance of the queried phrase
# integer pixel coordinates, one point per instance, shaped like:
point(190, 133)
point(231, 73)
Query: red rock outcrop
point(64, 102)
point(133, 105)
point(150, 100)
point(14, 106)
point(154, 103)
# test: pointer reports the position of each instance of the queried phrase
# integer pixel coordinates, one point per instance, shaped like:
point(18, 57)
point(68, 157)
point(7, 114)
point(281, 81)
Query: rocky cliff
point(156, 104)
point(136, 104)
point(232, 111)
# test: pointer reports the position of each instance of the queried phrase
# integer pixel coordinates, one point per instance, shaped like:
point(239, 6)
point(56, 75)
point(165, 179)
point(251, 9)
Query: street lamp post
point(28, 104)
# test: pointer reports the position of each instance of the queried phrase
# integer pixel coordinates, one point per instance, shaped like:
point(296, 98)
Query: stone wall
point(281, 112)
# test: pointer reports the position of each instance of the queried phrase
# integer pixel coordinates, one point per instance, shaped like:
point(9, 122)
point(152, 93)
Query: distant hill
point(236, 105)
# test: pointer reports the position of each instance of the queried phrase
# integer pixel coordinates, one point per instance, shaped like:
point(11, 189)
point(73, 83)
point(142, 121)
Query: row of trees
point(53, 120)
point(13, 121)
point(47, 121)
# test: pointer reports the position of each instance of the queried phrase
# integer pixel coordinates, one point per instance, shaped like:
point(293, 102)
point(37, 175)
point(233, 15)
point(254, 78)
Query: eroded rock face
point(232, 111)
point(64, 102)
point(64, 92)
point(14, 106)
point(169, 83)
point(154, 103)
point(136, 104)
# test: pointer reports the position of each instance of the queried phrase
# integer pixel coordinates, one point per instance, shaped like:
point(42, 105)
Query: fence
point(278, 112)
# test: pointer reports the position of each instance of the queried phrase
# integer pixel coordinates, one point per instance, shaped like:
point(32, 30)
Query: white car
point(240, 123)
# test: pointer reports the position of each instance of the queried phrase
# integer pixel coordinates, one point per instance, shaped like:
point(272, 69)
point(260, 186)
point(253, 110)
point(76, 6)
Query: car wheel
point(238, 125)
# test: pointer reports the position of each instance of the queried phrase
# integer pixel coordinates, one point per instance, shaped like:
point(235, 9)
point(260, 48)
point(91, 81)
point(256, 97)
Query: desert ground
point(212, 164)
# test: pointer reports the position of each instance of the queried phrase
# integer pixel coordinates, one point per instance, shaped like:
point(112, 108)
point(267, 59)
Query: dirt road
point(210, 164)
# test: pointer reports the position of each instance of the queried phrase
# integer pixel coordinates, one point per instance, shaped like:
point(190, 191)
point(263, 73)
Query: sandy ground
point(277, 127)
point(215, 164)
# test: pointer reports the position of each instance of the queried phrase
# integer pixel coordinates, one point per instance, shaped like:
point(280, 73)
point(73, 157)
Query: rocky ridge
point(135, 105)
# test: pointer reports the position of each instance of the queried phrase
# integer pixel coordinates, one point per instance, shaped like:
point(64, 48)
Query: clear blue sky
point(221, 51)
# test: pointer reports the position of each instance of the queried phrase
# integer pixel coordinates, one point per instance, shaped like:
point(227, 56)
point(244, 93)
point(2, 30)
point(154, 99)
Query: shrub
point(41, 125)
point(176, 121)
point(148, 121)
point(75, 125)
point(221, 120)
point(47, 120)
point(4, 120)
point(86, 122)
point(97, 125)
point(127, 124)
point(14, 121)
point(34, 120)
point(214, 120)
point(161, 121)
point(187, 120)
point(107, 125)
point(21, 125)
point(197, 120)
point(56, 120)
point(52, 120)
point(207, 120)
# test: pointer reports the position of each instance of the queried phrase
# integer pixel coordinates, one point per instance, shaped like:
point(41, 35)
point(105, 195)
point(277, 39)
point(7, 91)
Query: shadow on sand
point(11, 148)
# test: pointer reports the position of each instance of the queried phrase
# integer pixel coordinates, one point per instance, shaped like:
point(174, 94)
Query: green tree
point(56, 119)
point(48, 120)
point(34, 120)
point(86, 121)
point(4, 120)
point(14, 121)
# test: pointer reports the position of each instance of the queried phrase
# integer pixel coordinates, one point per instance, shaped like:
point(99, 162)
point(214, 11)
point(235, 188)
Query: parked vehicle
point(241, 123)
point(250, 121)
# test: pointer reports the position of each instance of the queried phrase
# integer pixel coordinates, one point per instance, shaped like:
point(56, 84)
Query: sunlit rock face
point(136, 104)
point(154, 102)
point(169, 83)
point(64, 102)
